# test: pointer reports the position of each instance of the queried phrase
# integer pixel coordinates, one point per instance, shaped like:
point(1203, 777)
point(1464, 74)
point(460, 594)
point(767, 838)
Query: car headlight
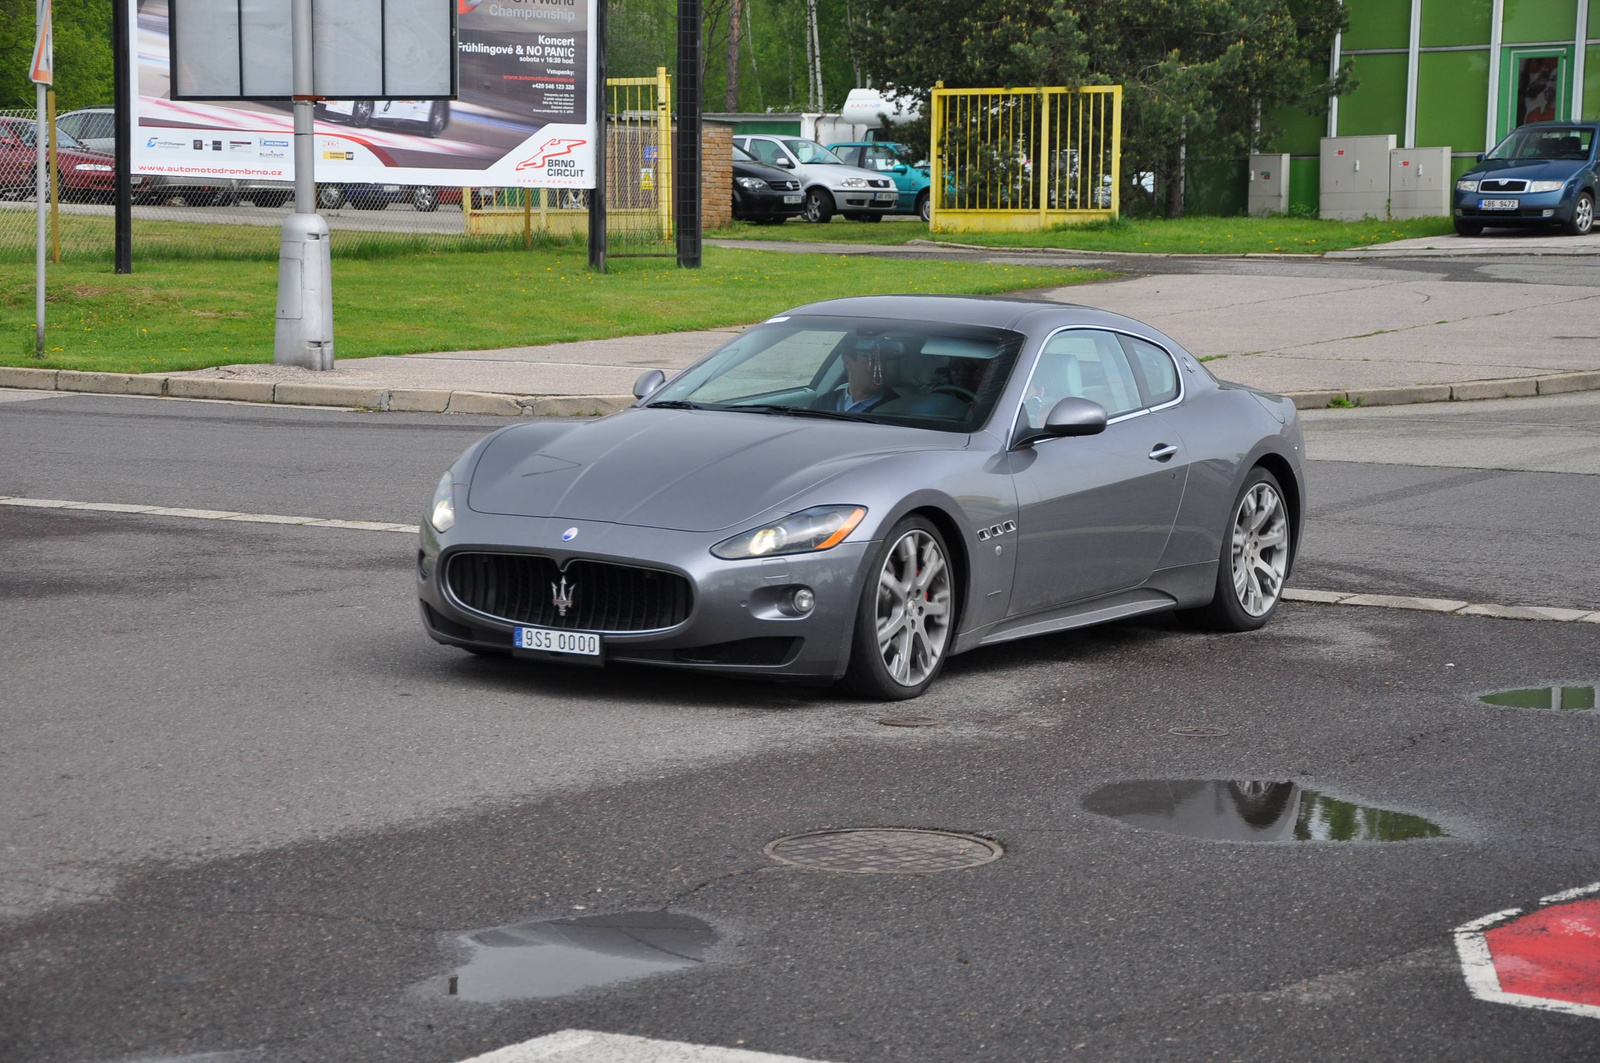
point(810, 530)
point(752, 184)
point(854, 182)
point(1546, 186)
point(93, 167)
point(443, 514)
point(1466, 186)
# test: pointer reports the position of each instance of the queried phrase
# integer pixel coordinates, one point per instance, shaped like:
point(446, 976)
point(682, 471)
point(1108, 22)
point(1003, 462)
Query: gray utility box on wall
point(1355, 177)
point(1269, 185)
point(1419, 183)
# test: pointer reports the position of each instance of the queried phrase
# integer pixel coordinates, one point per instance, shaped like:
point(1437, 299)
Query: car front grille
point(585, 596)
point(1509, 184)
point(878, 183)
point(786, 186)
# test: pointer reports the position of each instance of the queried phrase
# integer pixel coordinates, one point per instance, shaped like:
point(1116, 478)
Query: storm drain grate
point(883, 851)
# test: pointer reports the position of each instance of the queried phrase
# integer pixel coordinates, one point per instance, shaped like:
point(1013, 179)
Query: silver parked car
point(859, 489)
point(831, 185)
point(96, 127)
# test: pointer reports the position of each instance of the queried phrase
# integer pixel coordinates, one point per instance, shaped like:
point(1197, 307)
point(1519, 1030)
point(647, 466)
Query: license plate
point(792, 199)
point(552, 641)
point(885, 197)
point(391, 188)
point(1498, 204)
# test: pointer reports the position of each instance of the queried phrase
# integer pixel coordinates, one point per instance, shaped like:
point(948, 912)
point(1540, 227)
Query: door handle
point(1163, 452)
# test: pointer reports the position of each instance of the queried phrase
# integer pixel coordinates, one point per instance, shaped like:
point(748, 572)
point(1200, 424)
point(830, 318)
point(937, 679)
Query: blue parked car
point(1544, 173)
point(910, 181)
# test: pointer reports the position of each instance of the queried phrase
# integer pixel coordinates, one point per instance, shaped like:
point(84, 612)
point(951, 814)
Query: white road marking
point(586, 1046)
point(210, 514)
point(1551, 614)
point(1572, 894)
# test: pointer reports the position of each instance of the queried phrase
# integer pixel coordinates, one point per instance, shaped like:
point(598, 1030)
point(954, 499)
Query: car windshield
point(809, 151)
point(1545, 143)
point(945, 377)
point(24, 131)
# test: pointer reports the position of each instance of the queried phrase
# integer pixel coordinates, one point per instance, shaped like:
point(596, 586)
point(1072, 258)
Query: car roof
point(1591, 124)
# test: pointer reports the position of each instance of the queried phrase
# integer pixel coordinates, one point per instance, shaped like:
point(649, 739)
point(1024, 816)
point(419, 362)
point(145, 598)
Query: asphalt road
point(249, 808)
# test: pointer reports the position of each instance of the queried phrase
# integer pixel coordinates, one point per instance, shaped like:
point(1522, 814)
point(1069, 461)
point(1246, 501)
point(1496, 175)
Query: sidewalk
point(1378, 340)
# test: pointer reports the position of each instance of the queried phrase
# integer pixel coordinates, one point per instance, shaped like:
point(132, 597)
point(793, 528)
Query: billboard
point(524, 116)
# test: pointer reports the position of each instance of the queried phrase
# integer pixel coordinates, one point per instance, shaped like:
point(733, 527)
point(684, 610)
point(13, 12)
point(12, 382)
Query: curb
point(392, 400)
point(499, 404)
point(1468, 391)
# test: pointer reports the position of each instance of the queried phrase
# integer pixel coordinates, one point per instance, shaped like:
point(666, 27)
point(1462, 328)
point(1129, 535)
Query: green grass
point(1186, 236)
point(189, 314)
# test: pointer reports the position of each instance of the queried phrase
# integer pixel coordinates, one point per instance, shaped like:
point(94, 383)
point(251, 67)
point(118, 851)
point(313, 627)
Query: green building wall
point(1452, 95)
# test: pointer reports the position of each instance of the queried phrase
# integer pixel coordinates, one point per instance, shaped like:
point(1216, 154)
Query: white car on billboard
point(432, 116)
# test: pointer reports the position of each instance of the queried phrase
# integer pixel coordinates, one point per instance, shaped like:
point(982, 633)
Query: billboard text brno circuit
point(524, 116)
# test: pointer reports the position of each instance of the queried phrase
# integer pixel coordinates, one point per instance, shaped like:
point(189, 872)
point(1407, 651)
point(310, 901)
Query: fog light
point(1549, 213)
point(803, 601)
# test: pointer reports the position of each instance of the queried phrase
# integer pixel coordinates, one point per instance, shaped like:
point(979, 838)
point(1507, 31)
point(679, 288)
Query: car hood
point(1525, 169)
point(684, 470)
point(761, 170)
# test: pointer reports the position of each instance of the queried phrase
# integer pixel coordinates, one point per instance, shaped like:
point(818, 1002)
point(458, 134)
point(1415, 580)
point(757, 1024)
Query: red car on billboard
point(85, 174)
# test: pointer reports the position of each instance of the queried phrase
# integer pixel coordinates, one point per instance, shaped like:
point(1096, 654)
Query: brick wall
point(716, 174)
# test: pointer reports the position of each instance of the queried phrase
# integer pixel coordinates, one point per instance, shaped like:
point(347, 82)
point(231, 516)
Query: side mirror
point(648, 384)
point(899, 167)
point(1069, 417)
point(784, 162)
point(1480, 156)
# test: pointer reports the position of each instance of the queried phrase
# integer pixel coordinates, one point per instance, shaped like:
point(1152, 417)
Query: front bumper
point(1541, 208)
point(767, 203)
point(733, 602)
point(865, 200)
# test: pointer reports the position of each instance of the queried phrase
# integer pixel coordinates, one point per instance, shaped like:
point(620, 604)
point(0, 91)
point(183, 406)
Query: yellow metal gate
point(1007, 160)
point(638, 181)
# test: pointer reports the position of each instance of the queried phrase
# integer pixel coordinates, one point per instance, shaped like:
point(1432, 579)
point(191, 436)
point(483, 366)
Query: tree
point(1196, 74)
point(84, 70)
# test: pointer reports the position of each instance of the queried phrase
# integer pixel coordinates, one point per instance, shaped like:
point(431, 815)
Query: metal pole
point(597, 195)
point(41, 178)
point(122, 92)
point(305, 190)
point(686, 142)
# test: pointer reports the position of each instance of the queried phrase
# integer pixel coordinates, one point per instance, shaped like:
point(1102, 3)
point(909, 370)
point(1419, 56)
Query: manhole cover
point(883, 851)
point(1199, 731)
point(909, 721)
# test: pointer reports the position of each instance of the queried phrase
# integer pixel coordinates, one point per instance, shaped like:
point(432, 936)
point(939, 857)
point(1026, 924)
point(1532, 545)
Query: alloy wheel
point(914, 607)
point(1260, 549)
point(1583, 215)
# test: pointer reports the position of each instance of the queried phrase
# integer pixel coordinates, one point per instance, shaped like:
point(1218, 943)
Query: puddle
point(1571, 699)
point(554, 957)
point(1220, 810)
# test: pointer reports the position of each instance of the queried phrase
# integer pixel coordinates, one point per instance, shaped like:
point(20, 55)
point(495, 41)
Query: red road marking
point(1548, 958)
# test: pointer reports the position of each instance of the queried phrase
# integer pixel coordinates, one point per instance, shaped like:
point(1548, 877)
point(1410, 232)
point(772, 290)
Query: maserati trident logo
point(569, 535)
point(562, 596)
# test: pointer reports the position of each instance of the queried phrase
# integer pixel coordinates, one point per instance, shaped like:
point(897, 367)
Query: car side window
point(766, 151)
point(1085, 364)
point(851, 155)
point(1156, 369)
point(98, 125)
point(880, 159)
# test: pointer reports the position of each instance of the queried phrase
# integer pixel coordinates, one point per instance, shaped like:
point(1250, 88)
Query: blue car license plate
point(1497, 204)
point(549, 640)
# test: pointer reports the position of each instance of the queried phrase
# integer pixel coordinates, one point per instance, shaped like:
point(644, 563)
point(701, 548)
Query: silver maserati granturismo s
point(858, 489)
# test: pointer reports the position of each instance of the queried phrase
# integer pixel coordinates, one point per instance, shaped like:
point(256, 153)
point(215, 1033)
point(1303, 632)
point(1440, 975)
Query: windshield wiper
point(676, 404)
point(806, 411)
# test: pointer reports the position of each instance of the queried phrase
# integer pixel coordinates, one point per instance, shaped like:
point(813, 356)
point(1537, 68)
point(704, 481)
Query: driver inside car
point(863, 389)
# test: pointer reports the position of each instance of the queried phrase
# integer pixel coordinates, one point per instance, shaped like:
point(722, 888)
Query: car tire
point(1238, 604)
point(912, 560)
point(819, 205)
point(438, 117)
point(769, 220)
point(1468, 228)
point(330, 197)
point(361, 114)
point(874, 216)
point(925, 207)
point(425, 199)
point(1582, 221)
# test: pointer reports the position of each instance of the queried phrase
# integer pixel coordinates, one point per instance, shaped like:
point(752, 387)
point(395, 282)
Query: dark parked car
point(764, 194)
point(1544, 173)
point(85, 174)
point(424, 198)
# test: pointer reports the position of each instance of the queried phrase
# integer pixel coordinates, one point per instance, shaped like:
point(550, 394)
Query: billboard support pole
point(686, 146)
point(597, 196)
point(304, 334)
point(123, 98)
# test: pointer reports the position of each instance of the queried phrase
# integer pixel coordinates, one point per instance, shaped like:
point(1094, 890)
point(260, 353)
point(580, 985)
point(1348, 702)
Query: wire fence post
point(600, 111)
point(55, 180)
point(686, 148)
